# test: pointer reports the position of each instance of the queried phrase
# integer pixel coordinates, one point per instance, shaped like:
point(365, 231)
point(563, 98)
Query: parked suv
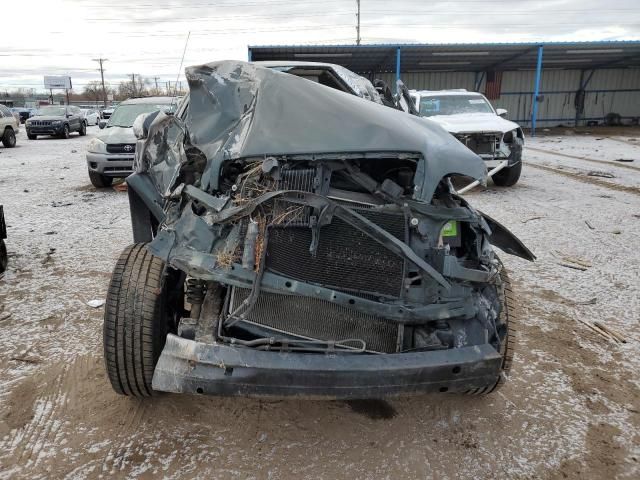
point(471, 118)
point(110, 153)
point(9, 126)
point(58, 120)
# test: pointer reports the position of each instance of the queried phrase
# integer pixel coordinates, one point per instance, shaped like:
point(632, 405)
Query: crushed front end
point(322, 250)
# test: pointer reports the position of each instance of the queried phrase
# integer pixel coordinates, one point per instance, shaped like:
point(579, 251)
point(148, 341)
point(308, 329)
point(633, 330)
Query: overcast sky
point(147, 37)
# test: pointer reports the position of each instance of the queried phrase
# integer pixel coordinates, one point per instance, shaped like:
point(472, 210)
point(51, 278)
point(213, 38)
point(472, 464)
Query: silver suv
point(110, 154)
point(9, 126)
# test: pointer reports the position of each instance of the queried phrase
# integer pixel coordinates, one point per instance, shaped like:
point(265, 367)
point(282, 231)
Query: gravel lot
point(571, 409)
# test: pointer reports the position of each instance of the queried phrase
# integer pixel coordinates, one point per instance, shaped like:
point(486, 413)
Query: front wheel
point(100, 181)
point(31, 136)
point(508, 176)
point(4, 258)
point(65, 132)
point(83, 129)
point(9, 138)
point(138, 316)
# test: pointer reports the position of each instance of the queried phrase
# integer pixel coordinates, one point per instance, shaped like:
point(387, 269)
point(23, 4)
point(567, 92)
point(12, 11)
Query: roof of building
point(460, 56)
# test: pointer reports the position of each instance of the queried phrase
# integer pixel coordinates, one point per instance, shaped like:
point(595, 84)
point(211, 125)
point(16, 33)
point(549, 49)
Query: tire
point(31, 136)
point(508, 176)
point(65, 132)
point(9, 138)
point(100, 181)
point(137, 319)
point(509, 324)
point(506, 326)
point(83, 129)
point(4, 258)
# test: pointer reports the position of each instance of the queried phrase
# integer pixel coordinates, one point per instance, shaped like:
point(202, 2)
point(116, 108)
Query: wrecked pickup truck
point(295, 240)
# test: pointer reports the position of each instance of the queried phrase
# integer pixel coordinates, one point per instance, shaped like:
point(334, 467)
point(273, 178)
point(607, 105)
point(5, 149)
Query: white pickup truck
point(471, 118)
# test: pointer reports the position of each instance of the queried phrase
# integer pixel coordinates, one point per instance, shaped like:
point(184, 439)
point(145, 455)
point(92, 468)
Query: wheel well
point(8, 127)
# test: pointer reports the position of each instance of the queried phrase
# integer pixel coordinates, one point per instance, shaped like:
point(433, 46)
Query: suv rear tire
point(100, 181)
point(83, 129)
point(137, 319)
point(9, 138)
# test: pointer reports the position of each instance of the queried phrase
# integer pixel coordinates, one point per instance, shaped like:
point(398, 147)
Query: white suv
point(471, 118)
point(9, 126)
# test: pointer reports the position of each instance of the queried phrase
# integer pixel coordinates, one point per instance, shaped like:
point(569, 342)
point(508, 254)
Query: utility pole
point(104, 90)
point(133, 84)
point(155, 79)
point(358, 25)
point(168, 84)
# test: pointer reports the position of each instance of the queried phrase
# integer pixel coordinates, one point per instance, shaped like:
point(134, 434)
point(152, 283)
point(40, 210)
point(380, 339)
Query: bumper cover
point(110, 164)
point(45, 130)
point(187, 366)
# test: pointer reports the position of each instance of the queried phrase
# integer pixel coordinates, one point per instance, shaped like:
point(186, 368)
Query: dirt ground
point(570, 410)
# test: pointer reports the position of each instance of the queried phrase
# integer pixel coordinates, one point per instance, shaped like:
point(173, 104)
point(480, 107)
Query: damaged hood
point(241, 110)
point(473, 123)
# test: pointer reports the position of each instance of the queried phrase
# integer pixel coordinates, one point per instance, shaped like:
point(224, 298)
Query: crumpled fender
point(506, 241)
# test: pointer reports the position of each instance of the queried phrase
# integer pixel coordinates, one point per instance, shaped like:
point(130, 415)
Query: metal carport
point(617, 61)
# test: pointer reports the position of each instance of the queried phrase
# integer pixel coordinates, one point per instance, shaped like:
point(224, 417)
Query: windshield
point(53, 111)
point(453, 104)
point(125, 115)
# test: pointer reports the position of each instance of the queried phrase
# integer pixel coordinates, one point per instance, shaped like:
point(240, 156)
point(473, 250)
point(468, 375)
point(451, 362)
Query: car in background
point(110, 154)
point(23, 113)
point(107, 112)
point(92, 117)
point(9, 126)
point(57, 120)
point(471, 118)
point(328, 74)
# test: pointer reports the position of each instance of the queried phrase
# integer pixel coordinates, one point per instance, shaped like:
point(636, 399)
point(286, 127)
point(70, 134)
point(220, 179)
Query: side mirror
point(501, 112)
point(102, 124)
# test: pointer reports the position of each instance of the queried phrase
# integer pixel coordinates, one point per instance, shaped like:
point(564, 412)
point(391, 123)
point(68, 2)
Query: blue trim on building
point(398, 55)
point(536, 93)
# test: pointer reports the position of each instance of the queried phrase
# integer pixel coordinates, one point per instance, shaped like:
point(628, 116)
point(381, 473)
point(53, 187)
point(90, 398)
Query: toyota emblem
point(128, 148)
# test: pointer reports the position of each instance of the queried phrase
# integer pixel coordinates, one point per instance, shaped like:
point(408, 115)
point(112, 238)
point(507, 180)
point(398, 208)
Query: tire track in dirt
point(53, 390)
point(584, 179)
point(586, 159)
point(116, 458)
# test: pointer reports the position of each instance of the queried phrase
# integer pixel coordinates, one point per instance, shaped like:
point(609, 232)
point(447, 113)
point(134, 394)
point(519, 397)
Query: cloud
point(148, 37)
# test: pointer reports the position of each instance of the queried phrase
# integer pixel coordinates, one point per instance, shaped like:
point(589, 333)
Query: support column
point(536, 92)
point(397, 67)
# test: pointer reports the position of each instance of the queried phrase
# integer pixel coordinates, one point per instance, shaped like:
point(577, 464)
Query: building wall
point(610, 90)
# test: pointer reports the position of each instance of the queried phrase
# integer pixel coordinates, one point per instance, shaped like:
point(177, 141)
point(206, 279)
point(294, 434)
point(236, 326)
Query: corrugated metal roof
point(460, 56)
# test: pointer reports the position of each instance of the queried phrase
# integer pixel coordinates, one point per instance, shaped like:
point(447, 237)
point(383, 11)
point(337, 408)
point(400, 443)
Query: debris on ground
point(61, 204)
point(538, 217)
point(591, 227)
point(47, 258)
point(597, 173)
point(623, 160)
point(95, 303)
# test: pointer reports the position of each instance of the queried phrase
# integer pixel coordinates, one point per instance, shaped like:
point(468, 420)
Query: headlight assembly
point(97, 146)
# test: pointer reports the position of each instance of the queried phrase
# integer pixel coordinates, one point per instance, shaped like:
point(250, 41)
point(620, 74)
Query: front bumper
point(187, 366)
point(110, 164)
point(45, 129)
